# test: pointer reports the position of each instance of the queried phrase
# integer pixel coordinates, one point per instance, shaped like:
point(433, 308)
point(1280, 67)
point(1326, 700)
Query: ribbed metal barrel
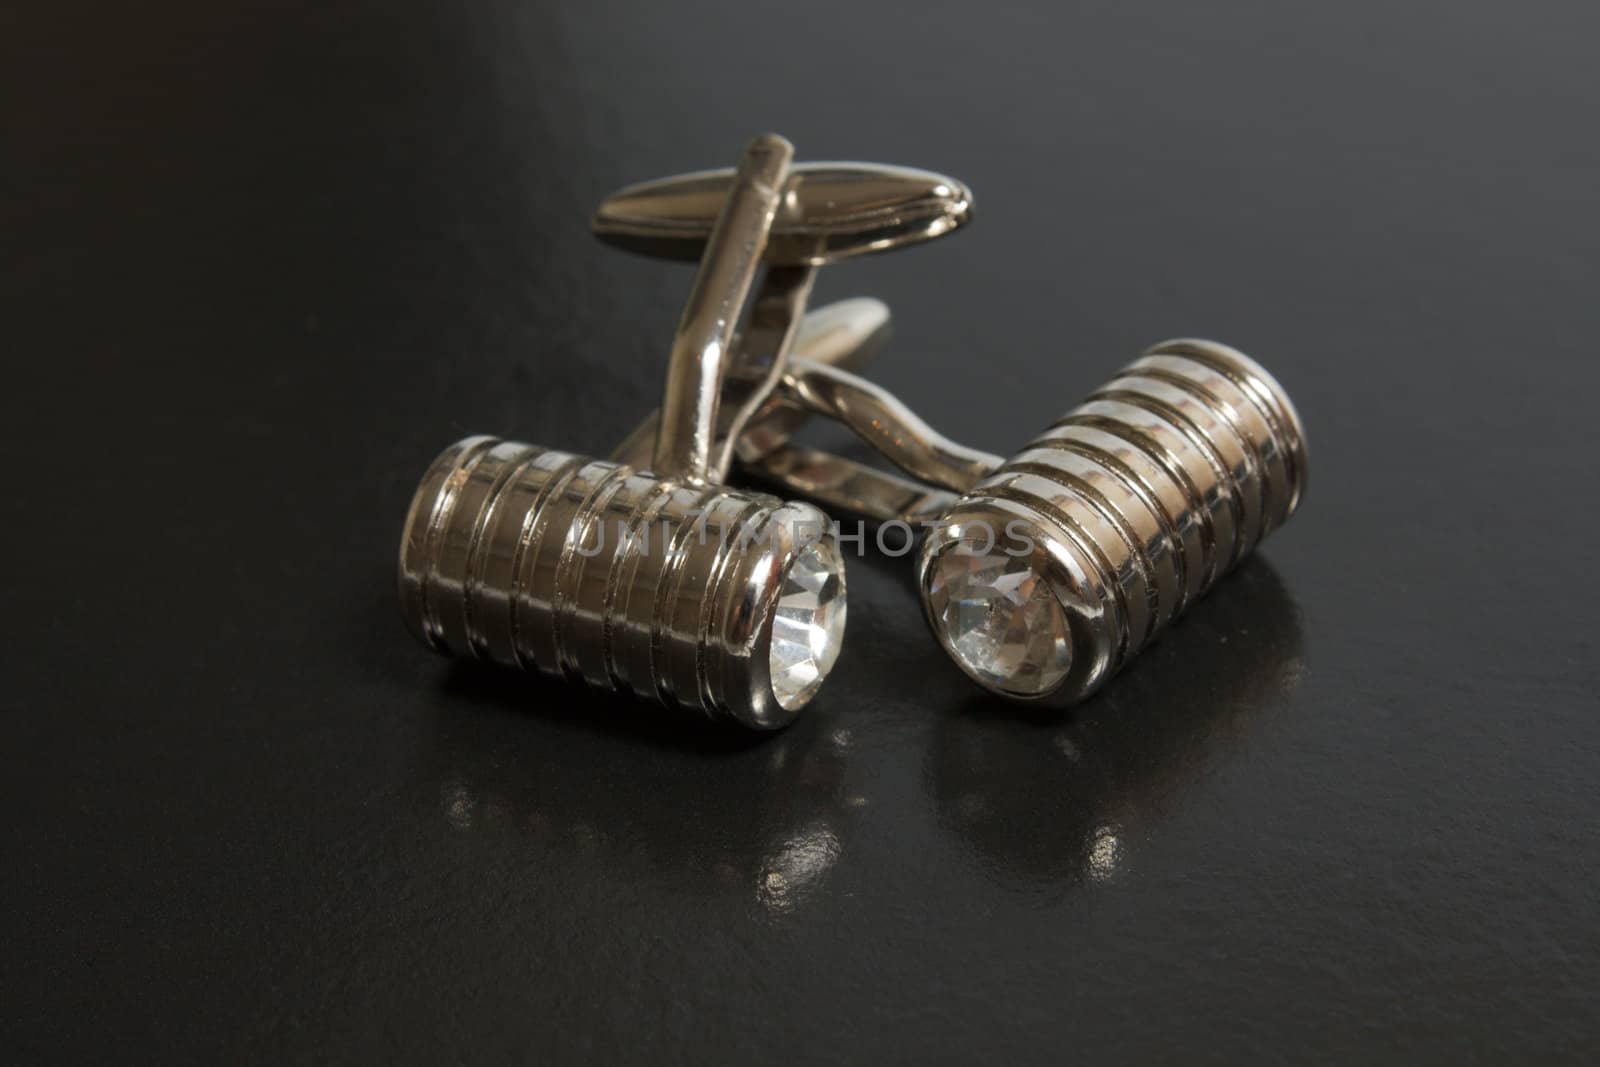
point(1120, 515)
point(594, 571)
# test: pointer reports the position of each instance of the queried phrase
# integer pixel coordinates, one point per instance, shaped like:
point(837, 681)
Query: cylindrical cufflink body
point(704, 596)
point(1052, 572)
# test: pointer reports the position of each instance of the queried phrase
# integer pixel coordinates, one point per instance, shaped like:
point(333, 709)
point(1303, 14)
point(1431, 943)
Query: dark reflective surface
point(749, 821)
point(261, 262)
point(1046, 798)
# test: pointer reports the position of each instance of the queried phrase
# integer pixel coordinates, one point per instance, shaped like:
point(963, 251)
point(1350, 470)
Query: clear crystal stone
point(809, 624)
point(1000, 620)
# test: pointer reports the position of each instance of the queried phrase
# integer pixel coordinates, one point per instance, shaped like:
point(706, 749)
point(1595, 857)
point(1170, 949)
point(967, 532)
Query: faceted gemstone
point(1000, 619)
point(809, 625)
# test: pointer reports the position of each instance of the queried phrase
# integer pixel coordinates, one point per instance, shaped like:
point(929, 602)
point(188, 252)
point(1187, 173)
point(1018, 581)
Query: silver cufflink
point(646, 573)
point(1041, 575)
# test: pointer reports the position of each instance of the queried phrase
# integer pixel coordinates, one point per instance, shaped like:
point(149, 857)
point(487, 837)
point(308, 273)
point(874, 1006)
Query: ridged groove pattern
point(1162, 480)
point(582, 568)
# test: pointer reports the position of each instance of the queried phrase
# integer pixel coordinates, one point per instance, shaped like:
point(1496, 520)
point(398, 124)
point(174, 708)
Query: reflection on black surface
point(1063, 796)
point(697, 808)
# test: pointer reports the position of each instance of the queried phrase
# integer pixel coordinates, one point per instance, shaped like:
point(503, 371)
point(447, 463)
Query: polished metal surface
point(1134, 503)
point(829, 211)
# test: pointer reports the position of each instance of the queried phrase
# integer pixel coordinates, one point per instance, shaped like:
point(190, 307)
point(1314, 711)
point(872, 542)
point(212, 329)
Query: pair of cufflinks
point(1041, 575)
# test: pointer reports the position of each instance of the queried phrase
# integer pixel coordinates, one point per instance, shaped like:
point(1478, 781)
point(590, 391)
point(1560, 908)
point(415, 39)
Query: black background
point(261, 261)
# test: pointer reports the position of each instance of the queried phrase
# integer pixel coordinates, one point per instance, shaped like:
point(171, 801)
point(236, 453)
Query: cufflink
point(1042, 575)
point(645, 573)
